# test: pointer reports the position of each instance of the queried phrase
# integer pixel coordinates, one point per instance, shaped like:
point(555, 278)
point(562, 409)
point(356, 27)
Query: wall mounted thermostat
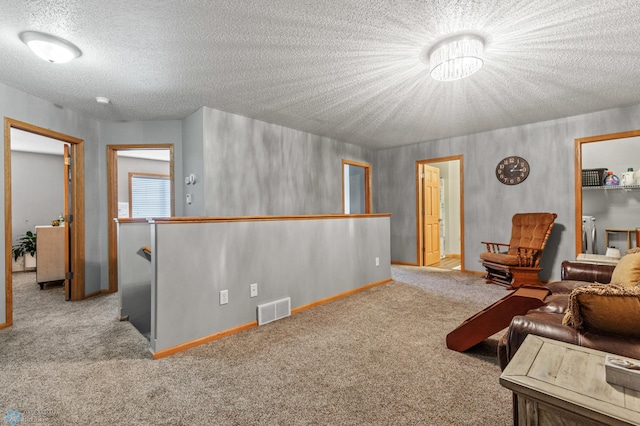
point(190, 180)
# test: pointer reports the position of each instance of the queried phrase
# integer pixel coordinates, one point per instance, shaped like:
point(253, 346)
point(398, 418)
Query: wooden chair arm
point(527, 256)
point(494, 247)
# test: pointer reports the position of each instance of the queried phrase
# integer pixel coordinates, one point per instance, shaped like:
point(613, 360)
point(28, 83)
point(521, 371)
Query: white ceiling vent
point(272, 311)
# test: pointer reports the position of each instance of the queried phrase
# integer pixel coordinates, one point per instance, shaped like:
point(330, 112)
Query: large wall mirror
point(607, 216)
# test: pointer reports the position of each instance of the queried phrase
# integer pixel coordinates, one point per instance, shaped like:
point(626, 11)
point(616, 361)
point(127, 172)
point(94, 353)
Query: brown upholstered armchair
point(518, 263)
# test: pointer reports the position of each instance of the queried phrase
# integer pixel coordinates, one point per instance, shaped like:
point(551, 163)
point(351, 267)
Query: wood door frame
point(67, 229)
point(419, 224)
point(368, 203)
point(112, 200)
point(578, 175)
point(77, 256)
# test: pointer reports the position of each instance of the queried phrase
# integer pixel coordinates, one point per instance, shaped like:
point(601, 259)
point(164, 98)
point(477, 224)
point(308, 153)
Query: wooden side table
point(556, 383)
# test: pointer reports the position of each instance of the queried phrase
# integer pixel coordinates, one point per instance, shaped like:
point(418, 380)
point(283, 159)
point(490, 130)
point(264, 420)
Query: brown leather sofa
point(546, 321)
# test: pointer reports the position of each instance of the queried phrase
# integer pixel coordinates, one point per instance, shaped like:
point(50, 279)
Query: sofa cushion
point(565, 286)
point(607, 308)
point(500, 258)
point(627, 271)
point(589, 272)
point(554, 304)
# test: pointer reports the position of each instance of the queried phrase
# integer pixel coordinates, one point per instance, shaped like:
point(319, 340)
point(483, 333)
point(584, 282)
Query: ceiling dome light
point(50, 48)
point(456, 57)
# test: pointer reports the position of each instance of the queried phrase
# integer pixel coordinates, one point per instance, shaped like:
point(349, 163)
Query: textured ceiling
point(353, 70)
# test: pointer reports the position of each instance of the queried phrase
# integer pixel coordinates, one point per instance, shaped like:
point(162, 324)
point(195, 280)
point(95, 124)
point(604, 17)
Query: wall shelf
point(613, 188)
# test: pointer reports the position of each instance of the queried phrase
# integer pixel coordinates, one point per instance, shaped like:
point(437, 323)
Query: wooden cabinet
point(49, 254)
point(555, 383)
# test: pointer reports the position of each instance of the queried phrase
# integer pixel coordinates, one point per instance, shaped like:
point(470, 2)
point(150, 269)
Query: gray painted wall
point(37, 190)
point(307, 260)
point(24, 107)
point(260, 168)
point(193, 151)
point(134, 275)
point(355, 188)
point(257, 168)
point(21, 106)
point(253, 167)
point(132, 133)
point(489, 205)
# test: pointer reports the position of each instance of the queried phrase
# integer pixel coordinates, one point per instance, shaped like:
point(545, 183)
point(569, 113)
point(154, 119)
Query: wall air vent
point(272, 311)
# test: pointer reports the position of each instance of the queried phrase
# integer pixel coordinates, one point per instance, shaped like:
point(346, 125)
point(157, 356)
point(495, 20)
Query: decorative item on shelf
point(628, 178)
point(611, 179)
point(623, 372)
point(613, 252)
point(61, 220)
point(593, 177)
point(55, 223)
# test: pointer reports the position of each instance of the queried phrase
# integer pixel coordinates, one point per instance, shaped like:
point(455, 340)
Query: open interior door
point(430, 213)
point(68, 223)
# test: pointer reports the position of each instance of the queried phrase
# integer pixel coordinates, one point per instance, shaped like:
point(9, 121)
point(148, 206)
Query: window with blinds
point(149, 195)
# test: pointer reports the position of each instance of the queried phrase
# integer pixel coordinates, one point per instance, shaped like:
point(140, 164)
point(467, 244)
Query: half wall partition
point(309, 259)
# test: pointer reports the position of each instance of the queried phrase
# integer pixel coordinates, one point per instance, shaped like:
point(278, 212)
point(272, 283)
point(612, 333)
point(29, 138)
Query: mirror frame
point(578, 175)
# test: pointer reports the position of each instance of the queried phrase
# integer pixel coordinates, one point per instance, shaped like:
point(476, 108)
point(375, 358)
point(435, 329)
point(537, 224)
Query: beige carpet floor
point(378, 357)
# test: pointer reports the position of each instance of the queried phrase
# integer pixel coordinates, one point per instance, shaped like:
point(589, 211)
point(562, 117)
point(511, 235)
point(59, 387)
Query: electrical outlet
point(254, 289)
point(224, 297)
point(377, 261)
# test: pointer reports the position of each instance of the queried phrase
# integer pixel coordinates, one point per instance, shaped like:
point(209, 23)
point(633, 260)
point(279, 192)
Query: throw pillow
point(627, 271)
point(610, 309)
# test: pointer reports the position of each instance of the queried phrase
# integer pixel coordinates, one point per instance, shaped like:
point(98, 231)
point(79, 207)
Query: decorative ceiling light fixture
point(50, 48)
point(456, 57)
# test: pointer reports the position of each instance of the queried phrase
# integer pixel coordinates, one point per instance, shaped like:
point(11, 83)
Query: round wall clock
point(512, 170)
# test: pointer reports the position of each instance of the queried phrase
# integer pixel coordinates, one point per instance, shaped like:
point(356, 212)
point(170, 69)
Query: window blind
point(150, 196)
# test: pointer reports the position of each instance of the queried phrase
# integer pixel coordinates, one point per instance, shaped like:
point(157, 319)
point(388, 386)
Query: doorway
point(75, 220)
point(115, 207)
point(617, 207)
point(430, 215)
point(440, 213)
point(356, 187)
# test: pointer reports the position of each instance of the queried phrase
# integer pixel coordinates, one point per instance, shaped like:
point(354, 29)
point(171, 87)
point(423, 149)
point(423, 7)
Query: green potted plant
point(26, 245)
